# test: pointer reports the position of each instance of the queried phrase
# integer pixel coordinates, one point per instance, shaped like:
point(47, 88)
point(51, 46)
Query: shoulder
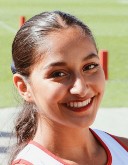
point(123, 141)
point(19, 164)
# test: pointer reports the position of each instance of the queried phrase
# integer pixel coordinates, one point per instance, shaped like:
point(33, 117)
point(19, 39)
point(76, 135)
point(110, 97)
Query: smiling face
point(67, 84)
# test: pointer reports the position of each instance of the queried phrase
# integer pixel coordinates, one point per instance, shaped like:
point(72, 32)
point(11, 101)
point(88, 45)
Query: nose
point(80, 87)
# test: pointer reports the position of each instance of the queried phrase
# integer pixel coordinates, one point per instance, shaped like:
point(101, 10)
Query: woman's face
point(68, 83)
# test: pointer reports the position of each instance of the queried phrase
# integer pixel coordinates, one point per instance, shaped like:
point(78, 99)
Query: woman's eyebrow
point(59, 63)
point(90, 56)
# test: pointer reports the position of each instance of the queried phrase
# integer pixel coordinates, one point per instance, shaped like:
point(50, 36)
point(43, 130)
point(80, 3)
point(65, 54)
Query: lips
point(80, 106)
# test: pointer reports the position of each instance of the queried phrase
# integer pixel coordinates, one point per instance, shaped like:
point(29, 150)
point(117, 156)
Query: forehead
point(67, 39)
point(67, 44)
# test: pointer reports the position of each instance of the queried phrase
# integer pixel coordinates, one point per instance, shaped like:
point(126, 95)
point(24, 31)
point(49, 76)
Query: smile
point(79, 104)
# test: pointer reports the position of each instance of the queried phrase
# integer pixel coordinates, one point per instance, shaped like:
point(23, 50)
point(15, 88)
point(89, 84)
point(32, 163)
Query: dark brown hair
point(25, 54)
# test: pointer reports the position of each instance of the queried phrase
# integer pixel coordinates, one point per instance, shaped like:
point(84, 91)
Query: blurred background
point(108, 20)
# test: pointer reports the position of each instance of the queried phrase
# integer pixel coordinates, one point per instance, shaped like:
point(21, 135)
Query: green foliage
point(108, 20)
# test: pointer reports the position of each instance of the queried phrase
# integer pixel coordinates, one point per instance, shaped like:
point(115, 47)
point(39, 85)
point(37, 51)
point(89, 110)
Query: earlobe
point(22, 86)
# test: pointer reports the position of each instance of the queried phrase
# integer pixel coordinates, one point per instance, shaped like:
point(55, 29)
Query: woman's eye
point(57, 74)
point(90, 67)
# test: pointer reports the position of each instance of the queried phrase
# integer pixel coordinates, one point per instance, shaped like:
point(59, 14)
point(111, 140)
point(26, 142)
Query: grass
point(106, 18)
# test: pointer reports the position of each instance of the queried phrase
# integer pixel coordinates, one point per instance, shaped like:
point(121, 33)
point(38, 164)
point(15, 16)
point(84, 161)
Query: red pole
point(104, 62)
point(22, 20)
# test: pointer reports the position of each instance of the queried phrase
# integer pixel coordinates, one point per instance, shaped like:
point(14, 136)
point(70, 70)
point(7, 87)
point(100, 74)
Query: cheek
point(101, 82)
point(54, 91)
point(98, 81)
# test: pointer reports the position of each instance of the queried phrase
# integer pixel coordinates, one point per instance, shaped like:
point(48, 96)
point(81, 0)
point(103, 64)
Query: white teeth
point(79, 104)
point(75, 104)
point(71, 104)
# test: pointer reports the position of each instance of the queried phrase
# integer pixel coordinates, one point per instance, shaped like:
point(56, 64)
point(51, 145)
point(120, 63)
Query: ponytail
point(25, 128)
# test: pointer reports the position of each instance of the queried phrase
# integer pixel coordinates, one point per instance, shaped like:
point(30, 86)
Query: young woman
point(57, 72)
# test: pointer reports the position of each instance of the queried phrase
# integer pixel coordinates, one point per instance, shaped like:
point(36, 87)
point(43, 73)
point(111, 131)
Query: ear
point(22, 86)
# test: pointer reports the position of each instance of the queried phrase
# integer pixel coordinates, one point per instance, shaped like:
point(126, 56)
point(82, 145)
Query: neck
point(66, 142)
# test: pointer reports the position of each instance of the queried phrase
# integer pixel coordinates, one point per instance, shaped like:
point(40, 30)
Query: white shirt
point(35, 154)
